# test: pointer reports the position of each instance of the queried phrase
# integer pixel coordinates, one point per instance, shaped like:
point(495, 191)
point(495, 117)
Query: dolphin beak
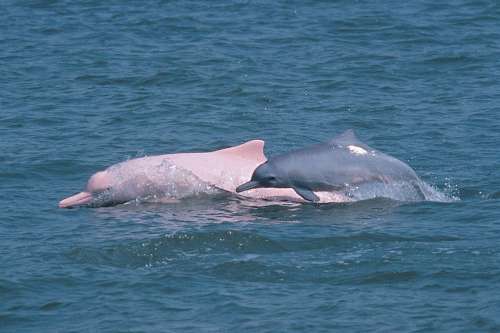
point(78, 199)
point(247, 186)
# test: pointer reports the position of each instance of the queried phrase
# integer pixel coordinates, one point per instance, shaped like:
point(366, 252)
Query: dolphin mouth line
point(247, 186)
point(78, 199)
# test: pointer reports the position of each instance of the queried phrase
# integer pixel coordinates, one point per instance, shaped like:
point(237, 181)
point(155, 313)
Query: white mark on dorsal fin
point(357, 150)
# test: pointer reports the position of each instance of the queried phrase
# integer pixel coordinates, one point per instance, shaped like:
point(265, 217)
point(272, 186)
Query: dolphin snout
point(247, 186)
point(78, 199)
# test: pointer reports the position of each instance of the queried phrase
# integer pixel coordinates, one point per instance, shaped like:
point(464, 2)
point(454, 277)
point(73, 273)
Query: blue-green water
point(87, 84)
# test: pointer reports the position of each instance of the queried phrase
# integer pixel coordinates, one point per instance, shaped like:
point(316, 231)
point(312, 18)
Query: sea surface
point(86, 84)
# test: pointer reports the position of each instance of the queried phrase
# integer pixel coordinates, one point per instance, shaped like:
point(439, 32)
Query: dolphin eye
point(99, 191)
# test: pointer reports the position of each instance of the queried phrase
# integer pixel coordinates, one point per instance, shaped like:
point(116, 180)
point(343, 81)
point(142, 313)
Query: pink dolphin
point(175, 176)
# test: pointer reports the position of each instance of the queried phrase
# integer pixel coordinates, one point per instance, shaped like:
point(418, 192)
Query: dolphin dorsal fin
point(347, 138)
point(252, 150)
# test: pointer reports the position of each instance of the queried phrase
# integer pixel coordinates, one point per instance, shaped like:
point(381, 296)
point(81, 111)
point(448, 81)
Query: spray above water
point(398, 191)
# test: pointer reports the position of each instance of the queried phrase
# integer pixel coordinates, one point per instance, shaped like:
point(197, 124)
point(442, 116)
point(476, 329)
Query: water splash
point(399, 191)
point(140, 181)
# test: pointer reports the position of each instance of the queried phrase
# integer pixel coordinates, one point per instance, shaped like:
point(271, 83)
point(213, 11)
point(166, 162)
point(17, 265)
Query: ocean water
point(86, 84)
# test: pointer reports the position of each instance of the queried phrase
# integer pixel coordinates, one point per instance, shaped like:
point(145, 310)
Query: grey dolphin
point(336, 165)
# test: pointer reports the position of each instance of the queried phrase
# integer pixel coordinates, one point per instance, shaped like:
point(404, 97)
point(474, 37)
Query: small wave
point(495, 195)
point(249, 270)
point(174, 247)
point(6, 287)
point(388, 277)
point(320, 243)
point(472, 193)
point(179, 246)
point(51, 306)
point(451, 59)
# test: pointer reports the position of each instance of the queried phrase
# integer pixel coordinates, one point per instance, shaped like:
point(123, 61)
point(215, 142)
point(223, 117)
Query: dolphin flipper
point(306, 194)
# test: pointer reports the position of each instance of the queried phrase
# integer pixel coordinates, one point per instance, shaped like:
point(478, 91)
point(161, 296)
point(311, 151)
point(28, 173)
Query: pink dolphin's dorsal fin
point(251, 150)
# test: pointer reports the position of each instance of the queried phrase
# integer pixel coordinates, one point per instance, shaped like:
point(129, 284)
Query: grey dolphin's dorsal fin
point(348, 138)
point(306, 194)
point(252, 150)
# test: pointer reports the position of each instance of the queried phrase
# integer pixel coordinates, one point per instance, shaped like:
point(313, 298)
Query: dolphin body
point(169, 177)
point(341, 165)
